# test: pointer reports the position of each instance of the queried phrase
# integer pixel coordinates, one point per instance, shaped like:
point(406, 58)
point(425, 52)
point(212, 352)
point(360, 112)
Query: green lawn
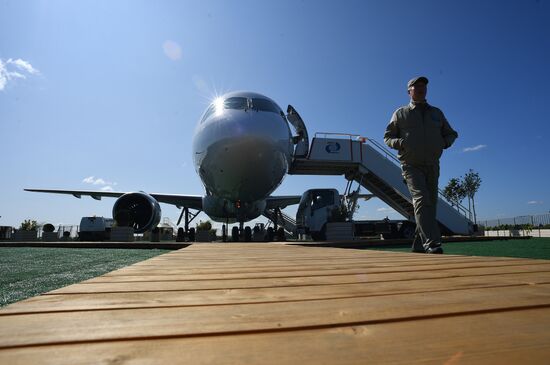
point(535, 248)
point(26, 272)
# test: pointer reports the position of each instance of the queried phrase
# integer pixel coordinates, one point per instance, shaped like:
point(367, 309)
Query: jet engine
point(138, 210)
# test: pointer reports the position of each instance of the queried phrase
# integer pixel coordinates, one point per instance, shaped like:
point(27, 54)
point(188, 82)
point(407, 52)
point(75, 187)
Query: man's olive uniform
point(420, 132)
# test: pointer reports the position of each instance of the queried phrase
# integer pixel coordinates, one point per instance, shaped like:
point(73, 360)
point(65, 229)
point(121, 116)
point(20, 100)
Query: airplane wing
point(189, 201)
point(282, 201)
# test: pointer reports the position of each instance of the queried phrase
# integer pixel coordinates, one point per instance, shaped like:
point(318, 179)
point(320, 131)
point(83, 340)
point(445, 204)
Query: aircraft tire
point(181, 235)
point(247, 234)
point(235, 234)
point(281, 234)
point(269, 234)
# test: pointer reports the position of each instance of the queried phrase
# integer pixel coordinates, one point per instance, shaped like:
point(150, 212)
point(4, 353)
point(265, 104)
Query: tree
point(28, 225)
point(471, 183)
point(454, 191)
point(204, 226)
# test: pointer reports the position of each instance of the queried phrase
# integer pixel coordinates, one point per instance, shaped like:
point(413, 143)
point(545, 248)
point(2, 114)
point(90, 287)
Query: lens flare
point(218, 105)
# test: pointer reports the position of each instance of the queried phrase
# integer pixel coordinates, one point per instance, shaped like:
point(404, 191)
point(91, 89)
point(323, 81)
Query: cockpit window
point(235, 103)
point(241, 103)
point(264, 105)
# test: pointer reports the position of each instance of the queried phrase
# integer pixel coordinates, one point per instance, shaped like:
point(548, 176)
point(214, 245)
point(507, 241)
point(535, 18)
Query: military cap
point(416, 79)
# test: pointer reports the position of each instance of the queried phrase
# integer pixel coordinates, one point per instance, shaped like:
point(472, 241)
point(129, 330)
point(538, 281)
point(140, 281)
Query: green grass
point(535, 248)
point(26, 272)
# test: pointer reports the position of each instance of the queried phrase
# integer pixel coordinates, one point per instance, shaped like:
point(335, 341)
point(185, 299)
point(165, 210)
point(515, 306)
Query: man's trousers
point(422, 182)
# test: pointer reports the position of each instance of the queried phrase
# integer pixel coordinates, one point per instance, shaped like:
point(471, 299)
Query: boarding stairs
point(375, 168)
point(282, 219)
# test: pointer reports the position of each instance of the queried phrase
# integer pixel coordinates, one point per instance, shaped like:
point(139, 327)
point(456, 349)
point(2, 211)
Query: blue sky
point(109, 92)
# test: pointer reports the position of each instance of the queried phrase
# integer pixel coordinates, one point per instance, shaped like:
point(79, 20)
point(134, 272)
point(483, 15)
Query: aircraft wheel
point(270, 234)
point(235, 234)
point(247, 234)
point(281, 234)
point(224, 233)
point(181, 235)
point(191, 235)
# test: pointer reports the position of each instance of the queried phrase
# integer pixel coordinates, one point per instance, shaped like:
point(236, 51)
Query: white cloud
point(15, 69)
point(23, 65)
point(475, 148)
point(172, 50)
point(92, 180)
point(107, 188)
point(534, 202)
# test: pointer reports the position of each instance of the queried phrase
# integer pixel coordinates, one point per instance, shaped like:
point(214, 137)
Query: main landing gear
point(241, 233)
point(186, 232)
point(244, 233)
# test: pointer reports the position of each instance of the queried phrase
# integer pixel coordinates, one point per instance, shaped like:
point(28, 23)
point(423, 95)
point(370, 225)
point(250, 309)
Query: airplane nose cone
point(245, 168)
point(248, 159)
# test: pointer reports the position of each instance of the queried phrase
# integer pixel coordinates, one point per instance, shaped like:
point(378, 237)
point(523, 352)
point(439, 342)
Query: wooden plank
point(60, 302)
point(307, 277)
point(327, 269)
point(102, 325)
point(95, 301)
point(449, 283)
point(237, 274)
point(519, 337)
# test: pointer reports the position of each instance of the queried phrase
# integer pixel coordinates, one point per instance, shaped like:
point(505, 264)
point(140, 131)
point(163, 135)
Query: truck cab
point(315, 209)
point(318, 207)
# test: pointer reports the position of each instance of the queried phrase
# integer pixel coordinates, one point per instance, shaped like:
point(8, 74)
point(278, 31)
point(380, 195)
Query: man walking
point(420, 132)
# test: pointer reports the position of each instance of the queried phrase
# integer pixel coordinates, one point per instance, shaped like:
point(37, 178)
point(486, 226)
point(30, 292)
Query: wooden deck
point(279, 304)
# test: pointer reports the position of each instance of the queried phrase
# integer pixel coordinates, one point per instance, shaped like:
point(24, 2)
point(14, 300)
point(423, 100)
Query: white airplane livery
point(242, 149)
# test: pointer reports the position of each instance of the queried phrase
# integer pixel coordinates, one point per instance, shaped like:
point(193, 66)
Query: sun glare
point(218, 105)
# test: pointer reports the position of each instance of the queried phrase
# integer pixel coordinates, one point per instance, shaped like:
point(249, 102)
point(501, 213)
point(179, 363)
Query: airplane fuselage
point(242, 150)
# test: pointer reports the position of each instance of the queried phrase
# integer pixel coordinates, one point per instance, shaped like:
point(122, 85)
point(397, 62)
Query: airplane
point(242, 149)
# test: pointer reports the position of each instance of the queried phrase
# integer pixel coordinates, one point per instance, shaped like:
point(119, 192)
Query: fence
point(523, 225)
point(534, 221)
